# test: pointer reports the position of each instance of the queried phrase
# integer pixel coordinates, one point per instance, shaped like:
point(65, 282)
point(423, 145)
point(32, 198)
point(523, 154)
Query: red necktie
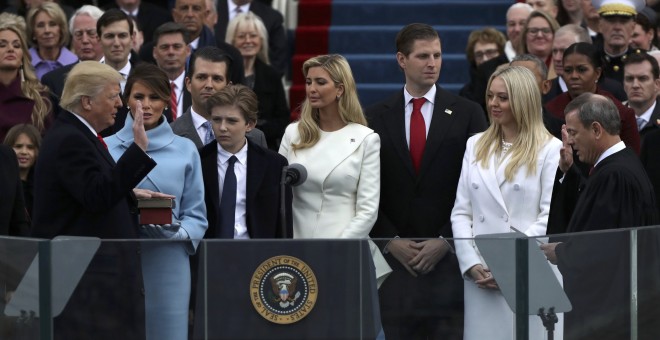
point(101, 140)
point(417, 133)
point(174, 104)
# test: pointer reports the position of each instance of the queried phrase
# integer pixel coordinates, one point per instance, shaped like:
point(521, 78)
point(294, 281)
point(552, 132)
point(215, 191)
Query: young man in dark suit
point(421, 155)
point(255, 172)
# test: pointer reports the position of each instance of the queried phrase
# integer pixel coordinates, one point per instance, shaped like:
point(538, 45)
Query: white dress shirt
point(612, 150)
point(240, 170)
point(124, 71)
point(198, 122)
point(647, 115)
point(427, 110)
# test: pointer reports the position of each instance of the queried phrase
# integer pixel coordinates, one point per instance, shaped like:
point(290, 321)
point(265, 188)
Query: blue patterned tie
point(640, 123)
point(228, 201)
point(210, 136)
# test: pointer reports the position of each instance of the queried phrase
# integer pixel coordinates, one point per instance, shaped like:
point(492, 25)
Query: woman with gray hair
point(248, 34)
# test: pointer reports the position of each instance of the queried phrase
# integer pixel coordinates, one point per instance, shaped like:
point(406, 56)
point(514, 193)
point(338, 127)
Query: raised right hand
point(566, 151)
point(139, 134)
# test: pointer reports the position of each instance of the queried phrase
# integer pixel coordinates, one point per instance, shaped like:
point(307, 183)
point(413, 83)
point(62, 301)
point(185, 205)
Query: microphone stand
point(283, 202)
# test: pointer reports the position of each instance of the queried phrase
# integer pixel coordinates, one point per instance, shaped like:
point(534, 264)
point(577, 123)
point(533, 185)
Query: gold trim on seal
point(298, 289)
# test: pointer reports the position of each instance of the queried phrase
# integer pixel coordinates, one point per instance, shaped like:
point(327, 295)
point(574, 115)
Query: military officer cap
point(624, 8)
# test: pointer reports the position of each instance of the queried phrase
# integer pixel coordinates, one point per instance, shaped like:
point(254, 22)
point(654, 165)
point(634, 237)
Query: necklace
point(505, 147)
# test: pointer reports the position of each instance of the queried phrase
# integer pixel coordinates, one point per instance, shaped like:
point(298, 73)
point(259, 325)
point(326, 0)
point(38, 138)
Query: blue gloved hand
point(171, 231)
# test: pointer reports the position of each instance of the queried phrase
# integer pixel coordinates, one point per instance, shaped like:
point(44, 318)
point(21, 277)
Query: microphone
point(295, 174)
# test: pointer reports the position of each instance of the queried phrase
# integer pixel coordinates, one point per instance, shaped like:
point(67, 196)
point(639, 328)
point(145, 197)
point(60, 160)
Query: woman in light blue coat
point(165, 265)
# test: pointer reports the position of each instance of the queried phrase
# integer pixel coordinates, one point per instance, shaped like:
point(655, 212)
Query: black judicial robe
point(596, 266)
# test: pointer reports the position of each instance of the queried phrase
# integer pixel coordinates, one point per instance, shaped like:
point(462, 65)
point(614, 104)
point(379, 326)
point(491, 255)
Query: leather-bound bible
point(155, 210)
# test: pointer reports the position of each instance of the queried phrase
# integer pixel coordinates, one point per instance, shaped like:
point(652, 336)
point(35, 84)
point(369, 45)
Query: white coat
point(486, 203)
point(340, 197)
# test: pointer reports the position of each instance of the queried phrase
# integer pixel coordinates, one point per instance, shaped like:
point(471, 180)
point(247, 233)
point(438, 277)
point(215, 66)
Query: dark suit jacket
point(274, 22)
point(185, 127)
point(414, 205)
point(273, 110)
point(81, 191)
point(650, 157)
point(206, 38)
point(149, 18)
point(13, 218)
point(264, 169)
point(653, 124)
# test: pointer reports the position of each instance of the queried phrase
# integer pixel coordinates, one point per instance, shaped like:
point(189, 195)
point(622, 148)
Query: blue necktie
point(228, 201)
point(210, 136)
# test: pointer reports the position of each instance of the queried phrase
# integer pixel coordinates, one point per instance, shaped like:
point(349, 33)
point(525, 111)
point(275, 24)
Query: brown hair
point(239, 96)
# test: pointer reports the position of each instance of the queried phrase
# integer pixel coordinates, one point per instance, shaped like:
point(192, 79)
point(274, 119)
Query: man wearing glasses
point(85, 45)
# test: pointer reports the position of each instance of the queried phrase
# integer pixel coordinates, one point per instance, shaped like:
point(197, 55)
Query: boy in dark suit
point(248, 205)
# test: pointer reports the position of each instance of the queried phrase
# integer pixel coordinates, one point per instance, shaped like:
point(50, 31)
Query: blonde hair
point(88, 78)
point(350, 110)
point(526, 109)
point(30, 85)
point(56, 13)
point(247, 19)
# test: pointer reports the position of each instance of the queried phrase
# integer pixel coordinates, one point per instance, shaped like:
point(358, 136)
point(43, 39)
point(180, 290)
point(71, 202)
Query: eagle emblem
point(284, 288)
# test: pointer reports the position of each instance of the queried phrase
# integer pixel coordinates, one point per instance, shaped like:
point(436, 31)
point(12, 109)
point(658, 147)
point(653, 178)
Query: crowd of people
point(554, 133)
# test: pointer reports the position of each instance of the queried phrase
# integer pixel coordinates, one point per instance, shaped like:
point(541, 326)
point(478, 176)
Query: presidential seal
point(283, 289)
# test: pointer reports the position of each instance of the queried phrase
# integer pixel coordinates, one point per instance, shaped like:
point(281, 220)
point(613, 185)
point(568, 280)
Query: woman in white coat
point(340, 197)
point(506, 180)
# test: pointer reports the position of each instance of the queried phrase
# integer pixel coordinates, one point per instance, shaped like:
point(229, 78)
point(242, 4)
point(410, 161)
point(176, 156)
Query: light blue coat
point(165, 265)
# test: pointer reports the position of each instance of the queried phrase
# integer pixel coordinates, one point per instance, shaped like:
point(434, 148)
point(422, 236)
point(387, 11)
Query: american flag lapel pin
point(448, 111)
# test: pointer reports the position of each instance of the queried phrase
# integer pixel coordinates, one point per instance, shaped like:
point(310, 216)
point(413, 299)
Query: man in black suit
point(81, 191)
point(617, 194)
point(423, 297)
point(273, 20)
point(147, 15)
point(191, 14)
point(86, 45)
point(233, 112)
point(171, 51)
point(641, 81)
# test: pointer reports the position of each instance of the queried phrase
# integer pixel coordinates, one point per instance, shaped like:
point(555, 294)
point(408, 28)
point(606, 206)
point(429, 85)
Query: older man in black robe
point(618, 194)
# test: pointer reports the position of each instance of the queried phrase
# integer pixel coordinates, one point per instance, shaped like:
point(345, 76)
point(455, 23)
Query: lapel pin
point(352, 140)
point(448, 111)
point(657, 121)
